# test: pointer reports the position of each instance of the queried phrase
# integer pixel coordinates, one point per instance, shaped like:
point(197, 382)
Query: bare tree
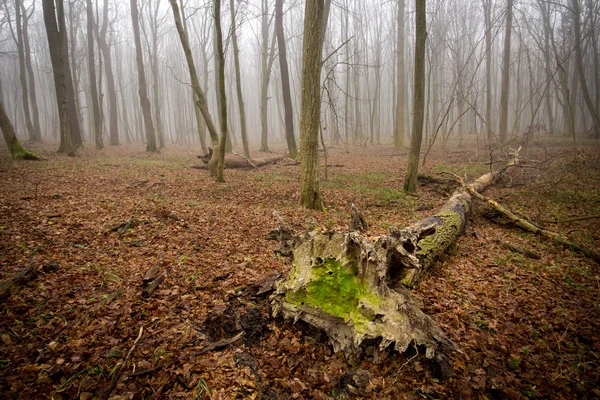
point(410, 179)
point(222, 95)
point(285, 80)
point(105, 48)
point(92, 75)
point(201, 104)
point(503, 124)
point(579, 65)
point(400, 111)
point(238, 79)
point(142, 89)
point(57, 42)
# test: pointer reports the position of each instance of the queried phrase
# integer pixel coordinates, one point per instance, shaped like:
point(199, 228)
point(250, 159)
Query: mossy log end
point(356, 289)
point(340, 282)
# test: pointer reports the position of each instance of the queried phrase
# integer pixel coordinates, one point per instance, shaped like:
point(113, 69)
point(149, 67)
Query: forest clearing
point(94, 225)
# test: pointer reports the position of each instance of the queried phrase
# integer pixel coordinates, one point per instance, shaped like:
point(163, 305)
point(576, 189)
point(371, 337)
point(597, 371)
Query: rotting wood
point(355, 288)
point(152, 273)
point(530, 227)
point(241, 162)
point(152, 286)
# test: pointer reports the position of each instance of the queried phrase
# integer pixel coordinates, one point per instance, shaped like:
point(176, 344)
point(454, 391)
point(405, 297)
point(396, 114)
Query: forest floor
point(95, 224)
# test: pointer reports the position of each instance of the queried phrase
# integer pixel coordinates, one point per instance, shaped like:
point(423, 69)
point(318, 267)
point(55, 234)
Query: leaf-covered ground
point(524, 328)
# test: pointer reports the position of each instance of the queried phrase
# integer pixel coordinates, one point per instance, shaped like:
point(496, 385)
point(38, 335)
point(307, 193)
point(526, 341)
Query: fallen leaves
point(524, 327)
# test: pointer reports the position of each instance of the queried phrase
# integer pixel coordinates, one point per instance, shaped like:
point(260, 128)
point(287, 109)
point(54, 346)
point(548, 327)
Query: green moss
point(18, 152)
point(431, 246)
point(335, 290)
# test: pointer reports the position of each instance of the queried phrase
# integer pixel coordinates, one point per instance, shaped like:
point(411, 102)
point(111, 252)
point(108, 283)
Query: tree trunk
point(410, 180)
point(222, 95)
point(104, 47)
point(35, 113)
point(57, 44)
point(14, 147)
point(92, 72)
point(73, 89)
point(503, 124)
point(487, 6)
point(285, 80)
point(266, 61)
point(310, 111)
point(142, 89)
point(22, 69)
point(201, 104)
point(400, 107)
point(200, 124)
point(580, 71)
point(355, 288)
point(238, 80)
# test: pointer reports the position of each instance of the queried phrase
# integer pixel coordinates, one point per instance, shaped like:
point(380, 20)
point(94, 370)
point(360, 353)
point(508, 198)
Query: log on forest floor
point(241, 162)
point(356, 289)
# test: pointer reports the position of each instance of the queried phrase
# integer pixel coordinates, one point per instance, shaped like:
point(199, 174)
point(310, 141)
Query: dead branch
point(151, 287)
point(117, 374)
point(245, 158)
point(528, 226)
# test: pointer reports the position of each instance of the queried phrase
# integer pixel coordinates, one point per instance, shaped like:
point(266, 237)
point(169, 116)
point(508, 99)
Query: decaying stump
point(356, 289)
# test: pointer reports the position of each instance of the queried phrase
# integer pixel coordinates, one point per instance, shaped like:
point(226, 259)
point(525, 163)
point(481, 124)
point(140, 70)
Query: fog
point(359, 74)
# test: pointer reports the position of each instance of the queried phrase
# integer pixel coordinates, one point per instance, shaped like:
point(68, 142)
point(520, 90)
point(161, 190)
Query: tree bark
point(285, 80)
point(310, 111)
point(92, 72)
point(58, 53)
point(487, 6)
point(410, 180)
point(400, 107)
point(222, 95)
point(503, 124)
point(104, 47)
point(580, 71)
point(142, 89)
point(238, 80)
point(17, 151)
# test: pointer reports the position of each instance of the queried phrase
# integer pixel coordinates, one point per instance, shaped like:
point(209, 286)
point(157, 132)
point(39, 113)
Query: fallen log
point(241, 162)
point(356, 289)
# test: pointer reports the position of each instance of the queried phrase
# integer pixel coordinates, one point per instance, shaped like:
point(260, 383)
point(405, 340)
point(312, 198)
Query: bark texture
point(92, 72)
point(505, 76)
point(310, 111)
point(14, 146)
point(410, 180)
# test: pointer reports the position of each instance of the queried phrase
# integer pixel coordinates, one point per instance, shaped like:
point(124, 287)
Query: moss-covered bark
point(17, 151)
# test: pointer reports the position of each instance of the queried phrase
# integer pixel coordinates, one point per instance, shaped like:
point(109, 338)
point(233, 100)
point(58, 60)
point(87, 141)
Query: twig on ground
point(117, 374)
